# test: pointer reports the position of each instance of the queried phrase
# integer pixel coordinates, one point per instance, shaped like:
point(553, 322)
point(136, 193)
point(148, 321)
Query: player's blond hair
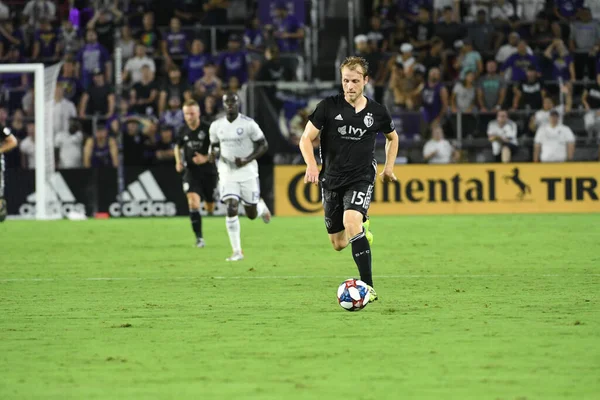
point(191, 103)
point(353, 62)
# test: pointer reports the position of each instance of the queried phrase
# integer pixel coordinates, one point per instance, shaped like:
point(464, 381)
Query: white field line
point(283, 277)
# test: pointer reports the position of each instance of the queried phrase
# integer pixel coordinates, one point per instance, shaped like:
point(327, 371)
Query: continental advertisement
point(459, 189)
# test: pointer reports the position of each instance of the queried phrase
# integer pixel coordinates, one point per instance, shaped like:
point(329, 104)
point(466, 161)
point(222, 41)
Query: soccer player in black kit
point(8, 141)
point(348, 125)
point(199, 171)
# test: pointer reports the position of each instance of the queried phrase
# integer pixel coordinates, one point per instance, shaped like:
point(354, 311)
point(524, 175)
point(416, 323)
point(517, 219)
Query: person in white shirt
point(502, 132)
point(237, 141)
point(27, 148)
point(133, 66)
point(510, 48)
point(64, 110)
point(438, 150)
point(554, 142)
point(69, 145)
point(542, 117)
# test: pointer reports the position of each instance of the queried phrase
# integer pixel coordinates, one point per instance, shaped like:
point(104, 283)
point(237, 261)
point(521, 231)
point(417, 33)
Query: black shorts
point(200, 183)
point(356, 196)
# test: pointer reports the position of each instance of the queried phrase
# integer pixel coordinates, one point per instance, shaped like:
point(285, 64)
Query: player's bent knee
point(338, 246)
point(232, 208)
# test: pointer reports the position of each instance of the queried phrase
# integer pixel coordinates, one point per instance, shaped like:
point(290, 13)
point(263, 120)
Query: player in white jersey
point(237, 141)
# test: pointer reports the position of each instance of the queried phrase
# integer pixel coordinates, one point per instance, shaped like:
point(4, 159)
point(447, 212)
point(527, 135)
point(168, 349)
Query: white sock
point(233, 229)
point(261, 208)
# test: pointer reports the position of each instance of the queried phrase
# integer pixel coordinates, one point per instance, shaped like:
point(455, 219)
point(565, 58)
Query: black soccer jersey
point(195, 141)
point(348, 140)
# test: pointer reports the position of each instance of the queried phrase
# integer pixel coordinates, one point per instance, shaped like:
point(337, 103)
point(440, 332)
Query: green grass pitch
point(472, 307)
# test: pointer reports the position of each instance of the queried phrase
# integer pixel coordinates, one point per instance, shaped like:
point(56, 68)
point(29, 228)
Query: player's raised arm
point(391, 151)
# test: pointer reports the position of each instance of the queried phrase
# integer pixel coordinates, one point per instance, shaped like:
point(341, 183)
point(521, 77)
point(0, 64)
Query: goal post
point(44, 85)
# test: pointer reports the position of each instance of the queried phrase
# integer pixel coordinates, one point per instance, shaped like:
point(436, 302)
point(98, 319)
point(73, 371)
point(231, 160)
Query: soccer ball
point(353, 295)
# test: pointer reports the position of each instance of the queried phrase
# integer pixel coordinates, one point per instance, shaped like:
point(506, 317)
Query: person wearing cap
point(288, 30)
point(468, 60)
point(406, 58)
point(554, 142)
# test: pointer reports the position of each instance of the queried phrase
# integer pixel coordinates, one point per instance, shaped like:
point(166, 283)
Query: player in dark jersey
point(199, 171)
point(8, 141)
point(348, 125)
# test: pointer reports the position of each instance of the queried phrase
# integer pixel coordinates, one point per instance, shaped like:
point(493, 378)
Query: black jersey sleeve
point(319, 116)
point(387, 124)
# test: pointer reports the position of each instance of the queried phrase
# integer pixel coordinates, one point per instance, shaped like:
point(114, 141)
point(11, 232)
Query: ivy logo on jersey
point(61, 201)
point(143, 198)
point(368, 120)
point(351, 133)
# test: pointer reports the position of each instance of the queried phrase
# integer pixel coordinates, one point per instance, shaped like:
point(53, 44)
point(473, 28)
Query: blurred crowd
point(170, 53)
point(508, 67)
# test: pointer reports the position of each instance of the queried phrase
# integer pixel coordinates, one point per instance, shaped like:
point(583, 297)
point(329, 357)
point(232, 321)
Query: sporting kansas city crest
point(368, 120)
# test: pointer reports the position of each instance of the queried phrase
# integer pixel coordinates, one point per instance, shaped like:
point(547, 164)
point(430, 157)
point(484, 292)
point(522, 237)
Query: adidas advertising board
point(61, 201)
point(143, 198)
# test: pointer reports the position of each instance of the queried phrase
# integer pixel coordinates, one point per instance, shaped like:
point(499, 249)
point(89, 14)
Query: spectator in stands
point(173, 87)
point(530, 10)
point(386, 10)
point(273, 70)
point(374, 58)
point(127, 43)
point(173, 117)
point(210, 109)
point(594, 7)
point(468, 60)
point(37, 10)
point(144, 94)
point(398, 35)
point(410, 8)
point(150, 36)
point(566, 10)
point(438, 150)
point(491, 90)
point(234, 61)
point(99, 99)
point(133, 67)
point(105, 21)
point(449, 30)
point(63, 110)
point(502, 133)
point(440, 5)
point(433, 57)
point(434, 97)
point(254, 37)
point(69, 146)
point(27, 148)
point(554, 142)
point(69, 82)
point(422, 30)
point(591, 101)
point(504, 15)
point(164, 154)
point(541, 33)
point(406, 58)
point(14, 80)
point(189, 11)
point(585, 34)
point(69, 38)
point(401, 89)
point(562, 62)
point(483, 35)
point(45, 43)
point(209, 84)
point(507, 50)
point(100, 150)
point(288, 30)
point(215, 12)
point(194, 63)
point(11, 36)
point(92, 57)
point(463, 95)
point(176, 44)
point(17, 125)
point(530, 93)
point(519, 63)
point(542, 117)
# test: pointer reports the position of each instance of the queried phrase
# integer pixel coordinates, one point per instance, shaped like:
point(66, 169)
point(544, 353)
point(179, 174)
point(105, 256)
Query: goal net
point(44, 86)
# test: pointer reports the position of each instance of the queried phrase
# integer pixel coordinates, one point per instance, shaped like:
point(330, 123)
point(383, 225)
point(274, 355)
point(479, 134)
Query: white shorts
point(248, 192)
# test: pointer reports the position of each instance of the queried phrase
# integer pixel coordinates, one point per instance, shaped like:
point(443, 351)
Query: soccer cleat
point(266, 217)
point(236, 256)
point(200, 243)
point(368, 234)
point(372, 294)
